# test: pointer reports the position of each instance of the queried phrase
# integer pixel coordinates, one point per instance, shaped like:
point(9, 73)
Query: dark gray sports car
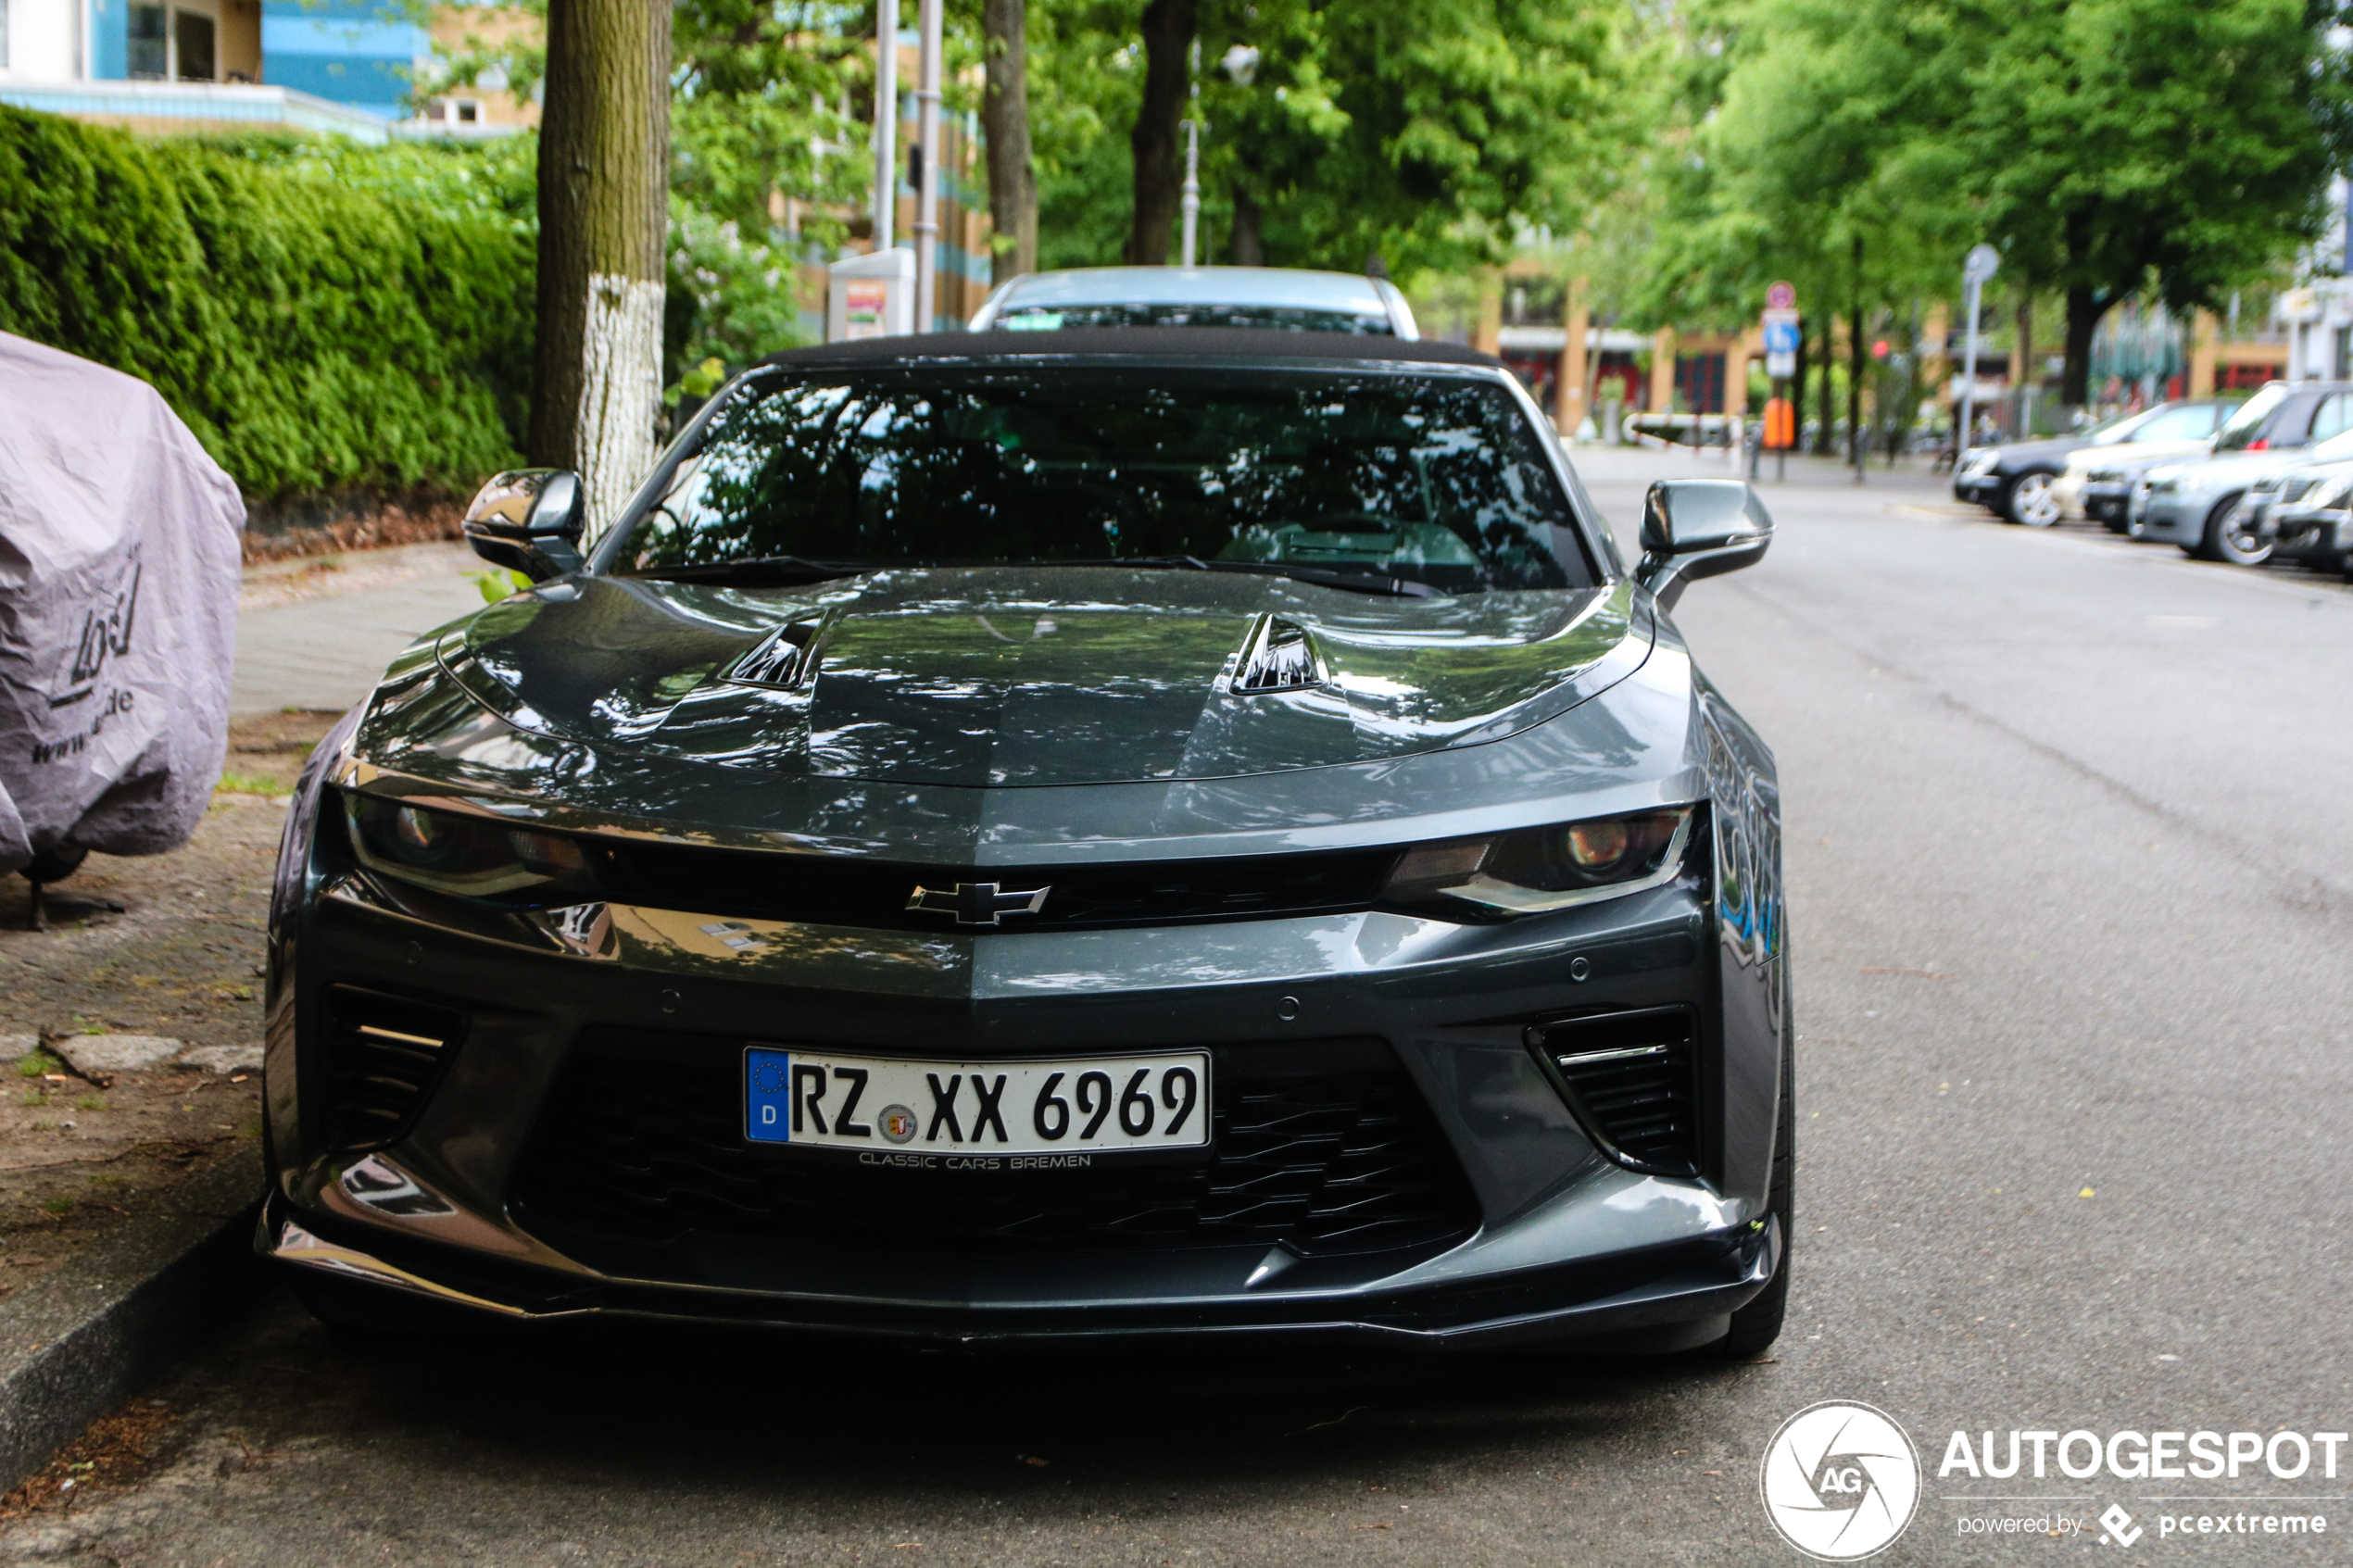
point(1050, 836)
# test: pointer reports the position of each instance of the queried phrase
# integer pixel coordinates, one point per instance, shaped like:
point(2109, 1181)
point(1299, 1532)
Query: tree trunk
point(1004, 118)
point(1248, 249)
point(1797, 385)
point(1856, 359)
point(1825, 405)
point(2084, 312)
point(1168, 40)
point(604, 184)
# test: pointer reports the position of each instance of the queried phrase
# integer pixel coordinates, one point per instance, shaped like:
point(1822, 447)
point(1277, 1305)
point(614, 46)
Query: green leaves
point(731, 299)
point(763, 103)
point(1428, 131)
point(2096, 143)
point(324, 317)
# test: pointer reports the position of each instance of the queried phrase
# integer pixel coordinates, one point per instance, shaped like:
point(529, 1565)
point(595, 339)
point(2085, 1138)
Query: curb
point(79, 1340)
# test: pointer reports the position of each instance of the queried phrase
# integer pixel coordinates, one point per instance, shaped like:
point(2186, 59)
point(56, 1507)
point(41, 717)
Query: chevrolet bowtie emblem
point(977, 903)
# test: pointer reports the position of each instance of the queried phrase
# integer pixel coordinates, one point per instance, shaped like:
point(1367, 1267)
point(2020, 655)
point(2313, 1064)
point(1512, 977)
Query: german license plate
point(921, 1113)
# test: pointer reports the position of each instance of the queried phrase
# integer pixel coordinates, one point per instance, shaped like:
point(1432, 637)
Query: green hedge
point(325, 318)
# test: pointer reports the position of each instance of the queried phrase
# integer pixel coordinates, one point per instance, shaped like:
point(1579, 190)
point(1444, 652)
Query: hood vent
point(1280, 657)
point(783, 659)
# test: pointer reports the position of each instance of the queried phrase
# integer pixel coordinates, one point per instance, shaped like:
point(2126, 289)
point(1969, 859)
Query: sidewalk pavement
point(325, 653)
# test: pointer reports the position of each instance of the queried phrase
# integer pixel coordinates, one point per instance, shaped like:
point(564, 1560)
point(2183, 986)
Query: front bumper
point(2317, 534)
point(1983, 488)
point(2171, 517)
point(2105, 500)
point(1558, 1240)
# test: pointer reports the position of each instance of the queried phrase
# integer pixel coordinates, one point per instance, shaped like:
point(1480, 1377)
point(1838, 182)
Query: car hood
point(2013, 454)
point(1032, 676)
point(2223, 472)
point(2123, 455)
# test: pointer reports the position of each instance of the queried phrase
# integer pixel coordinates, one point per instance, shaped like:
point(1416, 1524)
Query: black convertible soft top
point(1153, 343)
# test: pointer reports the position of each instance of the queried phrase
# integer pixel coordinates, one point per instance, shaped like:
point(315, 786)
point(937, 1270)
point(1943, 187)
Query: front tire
point(1756, 1325)
point(2224, 540)
point(2030, 501)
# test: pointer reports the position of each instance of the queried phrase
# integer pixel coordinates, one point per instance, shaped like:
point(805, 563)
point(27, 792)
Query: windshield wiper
point(769, 571)
point(1322, 576)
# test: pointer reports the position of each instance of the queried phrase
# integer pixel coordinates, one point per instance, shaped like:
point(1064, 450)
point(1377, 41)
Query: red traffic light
point(1879, 349)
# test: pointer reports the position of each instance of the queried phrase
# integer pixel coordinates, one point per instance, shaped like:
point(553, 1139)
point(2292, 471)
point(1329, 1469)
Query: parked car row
point(2241, 482)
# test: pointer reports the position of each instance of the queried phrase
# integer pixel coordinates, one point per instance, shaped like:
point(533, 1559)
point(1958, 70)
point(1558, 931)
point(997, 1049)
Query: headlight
point(2331, 497)
point(2164, 486)
point(1532, 870)
point(473, 856)
point(1978, 462)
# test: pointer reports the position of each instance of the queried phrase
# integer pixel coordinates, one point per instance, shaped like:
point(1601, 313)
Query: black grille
point(382, 1056)
point(1629, 1076)
point(1325, 1147)
point(749, 885)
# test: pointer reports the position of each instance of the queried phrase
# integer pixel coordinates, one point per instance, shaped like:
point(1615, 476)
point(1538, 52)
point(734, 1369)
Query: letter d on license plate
point(806, 1099)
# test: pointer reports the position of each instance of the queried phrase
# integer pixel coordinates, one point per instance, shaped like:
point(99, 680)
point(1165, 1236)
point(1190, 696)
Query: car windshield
point(2247, 423)
point(2118, 427)
point(1262, 318)
point(1435, 480)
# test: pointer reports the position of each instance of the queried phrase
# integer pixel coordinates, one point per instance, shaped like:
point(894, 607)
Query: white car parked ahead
point(1265, 297)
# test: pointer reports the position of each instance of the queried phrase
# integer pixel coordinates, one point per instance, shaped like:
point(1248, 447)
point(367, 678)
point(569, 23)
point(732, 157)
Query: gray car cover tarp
point(118, 573)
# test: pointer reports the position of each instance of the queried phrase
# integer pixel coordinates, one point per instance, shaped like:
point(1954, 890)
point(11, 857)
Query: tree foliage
point(323, 318)
point(764, 103)
point(2105, 146)
point(1429, 133)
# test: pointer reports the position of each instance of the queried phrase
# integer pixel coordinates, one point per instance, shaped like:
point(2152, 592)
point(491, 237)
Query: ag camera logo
point(1840, 1481)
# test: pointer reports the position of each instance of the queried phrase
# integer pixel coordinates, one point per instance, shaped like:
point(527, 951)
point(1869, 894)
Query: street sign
point(1781, 340)
point(1977, 269)
point(1781, 296)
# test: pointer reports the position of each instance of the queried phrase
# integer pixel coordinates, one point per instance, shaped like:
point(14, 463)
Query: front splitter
point(1662, 1299)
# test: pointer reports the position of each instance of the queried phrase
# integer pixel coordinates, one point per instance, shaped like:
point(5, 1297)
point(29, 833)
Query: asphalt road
point(2071, 859)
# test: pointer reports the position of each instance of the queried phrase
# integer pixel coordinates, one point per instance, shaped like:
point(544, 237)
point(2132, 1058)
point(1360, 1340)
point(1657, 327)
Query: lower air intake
point(381, 1055)
point(1324, 1147)
point(1631, 1078)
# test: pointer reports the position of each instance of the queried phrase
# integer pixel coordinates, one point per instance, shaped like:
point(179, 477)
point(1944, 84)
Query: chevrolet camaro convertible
point(1055, 836)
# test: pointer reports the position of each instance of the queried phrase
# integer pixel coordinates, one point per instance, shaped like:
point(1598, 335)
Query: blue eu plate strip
point(767, 1095)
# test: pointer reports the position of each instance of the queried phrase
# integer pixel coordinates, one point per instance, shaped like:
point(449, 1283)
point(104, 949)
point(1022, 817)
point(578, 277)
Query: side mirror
point(529, 521)
point(1694, 527)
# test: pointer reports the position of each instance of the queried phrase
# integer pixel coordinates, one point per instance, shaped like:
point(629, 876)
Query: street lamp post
point(886, 122)
point(1191, 205)
point(928, 188)
point(1192, 186)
